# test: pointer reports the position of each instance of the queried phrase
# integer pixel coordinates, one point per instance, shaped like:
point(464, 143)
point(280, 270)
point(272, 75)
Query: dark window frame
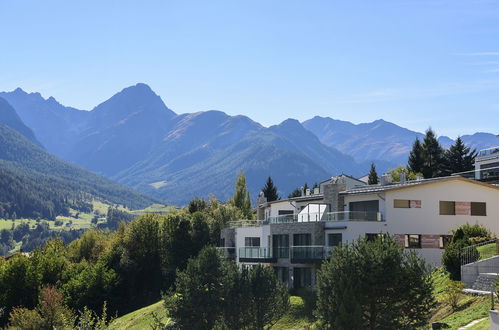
point(410, 244)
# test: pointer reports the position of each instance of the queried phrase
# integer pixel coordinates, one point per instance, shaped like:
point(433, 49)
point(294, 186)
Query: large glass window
point(282, 274)
point(280, 246)
point(302, 277)
point(302, 239)
point(334, 239)
point(364, 206)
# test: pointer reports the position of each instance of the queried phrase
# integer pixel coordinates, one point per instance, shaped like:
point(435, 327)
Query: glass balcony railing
point(254, 252)
point(280, 252)
point(327, 216)
point(488, 152)
point(489, 175)
point(310, 253)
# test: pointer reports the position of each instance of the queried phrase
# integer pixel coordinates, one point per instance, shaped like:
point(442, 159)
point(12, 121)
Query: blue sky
point(416, 63)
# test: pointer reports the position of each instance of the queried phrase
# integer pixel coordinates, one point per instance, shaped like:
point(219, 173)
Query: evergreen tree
point(459, 158)
point(241, 196)
point(373, 175)
point(415, 162)
point(433, 156)
point(295, 193)
point(270, 190)
point(353, 286)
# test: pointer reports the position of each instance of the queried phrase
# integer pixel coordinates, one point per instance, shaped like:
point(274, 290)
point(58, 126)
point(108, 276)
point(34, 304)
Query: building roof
point(345, 175)
point(373, 189)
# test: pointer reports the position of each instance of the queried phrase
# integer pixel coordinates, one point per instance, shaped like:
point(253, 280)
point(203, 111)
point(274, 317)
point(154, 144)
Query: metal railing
point(327, 216)
point(246, 223)
point(480, 251)
point(310, 217)
point(489, 175)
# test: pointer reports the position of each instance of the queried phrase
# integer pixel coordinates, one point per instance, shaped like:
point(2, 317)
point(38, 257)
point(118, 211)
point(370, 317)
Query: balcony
point(488, 154)
point(256, 254)
point(488, 175)
point(310, 254)
point(327, 216)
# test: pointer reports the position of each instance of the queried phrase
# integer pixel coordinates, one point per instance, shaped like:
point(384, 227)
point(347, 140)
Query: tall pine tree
point(433, 156)
point(373, 175)
point(415, 162)
point(241, 198)
point(270, 190)
point(459, 158)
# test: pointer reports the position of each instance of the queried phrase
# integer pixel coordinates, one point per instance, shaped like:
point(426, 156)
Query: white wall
point(427, 219)
point(273, 209)
point(354, 229)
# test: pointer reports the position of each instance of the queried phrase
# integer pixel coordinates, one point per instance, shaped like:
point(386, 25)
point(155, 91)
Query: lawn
point(156, 209)
point(482, 325)
point(469, 309)
point(295, 318)
point(141, 318)
point(487, 251)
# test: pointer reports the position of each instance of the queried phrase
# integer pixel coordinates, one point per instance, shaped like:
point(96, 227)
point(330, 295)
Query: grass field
point(487, 251)
point(80, 220)
point(141, 318)
point(482, 325)
point(469, 309)
point(295, 318)
point(156, 209)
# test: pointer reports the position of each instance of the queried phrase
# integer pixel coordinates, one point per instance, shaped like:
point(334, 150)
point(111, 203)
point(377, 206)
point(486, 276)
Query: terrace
point(297, 254)
point(311, 217)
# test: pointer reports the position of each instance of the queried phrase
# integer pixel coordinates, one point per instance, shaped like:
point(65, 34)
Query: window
point(413, 241)
point(222, 242)
point(401, 203)
point(282, 274)
point(447, 208)
point(302, 277)
point(285, 212)
point(478, 208)
point(334, 239)
point(252, 241)
point(302, 239)
point(444, 240)
point(364, 206)
point(372, 237)
point(280, 246)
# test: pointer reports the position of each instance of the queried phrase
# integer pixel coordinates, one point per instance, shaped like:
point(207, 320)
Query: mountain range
point(135, 139)
point(34, 183)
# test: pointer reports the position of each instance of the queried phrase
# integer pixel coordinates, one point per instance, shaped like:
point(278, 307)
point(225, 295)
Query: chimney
point(403, 178)
point(316, 191)
point(386, 179)
point(307, 192)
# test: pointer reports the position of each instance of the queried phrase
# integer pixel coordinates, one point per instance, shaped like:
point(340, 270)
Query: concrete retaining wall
point(470, 272)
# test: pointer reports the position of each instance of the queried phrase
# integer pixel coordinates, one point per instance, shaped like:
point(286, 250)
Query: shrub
point(453, 293)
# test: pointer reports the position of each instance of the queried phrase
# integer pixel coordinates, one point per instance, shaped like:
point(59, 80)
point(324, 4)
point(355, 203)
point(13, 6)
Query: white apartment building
point(296, 234)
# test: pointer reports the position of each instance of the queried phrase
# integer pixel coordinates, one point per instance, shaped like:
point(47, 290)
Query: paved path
point(469, 325)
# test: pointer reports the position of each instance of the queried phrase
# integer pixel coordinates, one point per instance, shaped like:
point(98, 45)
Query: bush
point(309, 298)
point(453, 293)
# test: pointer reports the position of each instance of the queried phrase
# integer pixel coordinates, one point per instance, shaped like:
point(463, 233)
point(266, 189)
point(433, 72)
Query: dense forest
point(35, 184)
point(126, 269)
